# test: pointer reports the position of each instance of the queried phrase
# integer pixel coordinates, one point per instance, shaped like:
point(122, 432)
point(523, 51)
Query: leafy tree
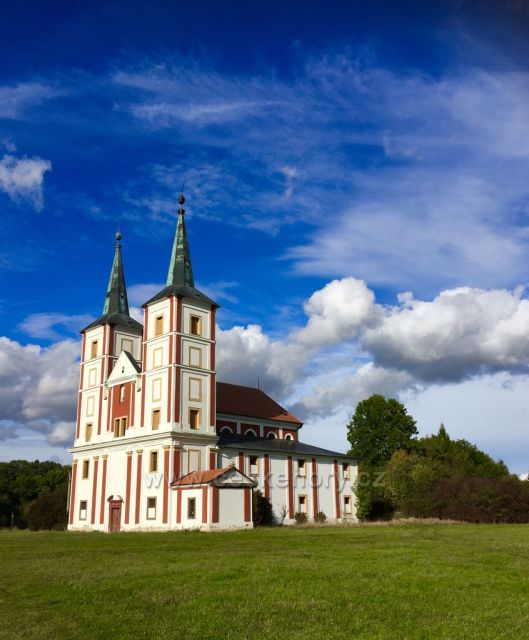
point(21, 482)
point(48, 511)
point(378, 428)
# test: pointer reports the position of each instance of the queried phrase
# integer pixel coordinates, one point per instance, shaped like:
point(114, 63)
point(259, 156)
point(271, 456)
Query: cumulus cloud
point(38, 388)
point(460, 334)
point(22, 179)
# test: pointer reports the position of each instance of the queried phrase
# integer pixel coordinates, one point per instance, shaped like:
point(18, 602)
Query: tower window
point(126, 345)
point(86, 469)
point(158, 326)
point(82, 510)
point(93, 349)
point(194, 418)
point(271, 436)
point(289, 437)
point(155, 418)
point(191, 508)
point(88, 432)
point(120, 426)
point(151, 508)
point(195, 326)
point(153, 462)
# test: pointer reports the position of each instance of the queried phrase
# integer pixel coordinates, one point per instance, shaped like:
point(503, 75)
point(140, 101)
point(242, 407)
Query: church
point(160, 444)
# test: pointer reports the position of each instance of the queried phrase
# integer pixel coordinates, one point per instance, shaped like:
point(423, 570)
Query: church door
point(114, 517)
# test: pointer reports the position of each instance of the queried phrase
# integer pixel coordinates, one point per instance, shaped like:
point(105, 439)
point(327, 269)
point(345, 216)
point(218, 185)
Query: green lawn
point(406, 581)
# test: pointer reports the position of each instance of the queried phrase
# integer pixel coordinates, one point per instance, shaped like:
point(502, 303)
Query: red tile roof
point(236, 400)
point(200, 477)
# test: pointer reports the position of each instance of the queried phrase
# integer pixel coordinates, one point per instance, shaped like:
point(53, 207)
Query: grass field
point(406, 581)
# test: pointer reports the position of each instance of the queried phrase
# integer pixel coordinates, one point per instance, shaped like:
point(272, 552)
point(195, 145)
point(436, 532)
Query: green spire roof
point(180, 281)
point(116, 307)
point(180, 271)
point(116, 297)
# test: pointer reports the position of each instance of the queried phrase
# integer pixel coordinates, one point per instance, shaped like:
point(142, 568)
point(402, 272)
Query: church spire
point(116, 296)
point(180, 270)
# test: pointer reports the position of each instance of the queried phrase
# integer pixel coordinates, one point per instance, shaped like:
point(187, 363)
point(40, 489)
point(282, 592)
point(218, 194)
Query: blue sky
point(357, 198)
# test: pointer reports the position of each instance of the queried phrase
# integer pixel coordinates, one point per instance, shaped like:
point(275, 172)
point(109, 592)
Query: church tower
point(178, 373)
point(102, 342)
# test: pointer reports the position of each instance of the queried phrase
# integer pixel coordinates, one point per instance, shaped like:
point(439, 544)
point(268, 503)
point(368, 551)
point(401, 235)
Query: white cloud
point(17, 99)
point(22, 178)
point(38, 386)
point(44, 325)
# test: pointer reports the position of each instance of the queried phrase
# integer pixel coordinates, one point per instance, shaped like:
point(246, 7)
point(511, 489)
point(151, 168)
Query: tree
point(261, 509)
point(378, 428)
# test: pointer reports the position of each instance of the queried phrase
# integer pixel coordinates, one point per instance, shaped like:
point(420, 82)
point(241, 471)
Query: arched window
point(226, 430)
point(289, 437)
point(271, 436)
point(250, 433)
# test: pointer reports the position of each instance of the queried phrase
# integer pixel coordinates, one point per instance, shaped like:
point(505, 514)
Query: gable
point(126, 368)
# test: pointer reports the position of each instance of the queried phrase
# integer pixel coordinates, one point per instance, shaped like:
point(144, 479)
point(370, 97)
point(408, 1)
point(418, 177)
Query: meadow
point(400, 581)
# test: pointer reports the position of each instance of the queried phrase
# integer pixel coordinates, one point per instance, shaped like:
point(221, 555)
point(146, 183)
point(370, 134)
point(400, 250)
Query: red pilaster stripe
point(241, 462)
point(315, 507)
point(212, 382)
point(94, 491)
point(110, 345)
point(79, 404)
point(176, 463)
point(267, 476)
point(144, 364)
point(72, 490)
point(109, 407)
point(169, 393)
point(215, 506)
point(138, 488)
point(179, 506)
point(212, 461)
point(132, 403)
point(100, 410)
point(336, 489)
point(103, 492)
point(204, 505)
point(178, 359)
point(290, 489)
point(127, 489)
point(247, 504)
point(165, 484)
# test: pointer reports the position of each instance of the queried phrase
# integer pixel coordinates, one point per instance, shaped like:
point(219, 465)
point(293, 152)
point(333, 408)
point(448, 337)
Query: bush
point(47, 511)
point(320, 517)
point(262, 513)
point(300, 518)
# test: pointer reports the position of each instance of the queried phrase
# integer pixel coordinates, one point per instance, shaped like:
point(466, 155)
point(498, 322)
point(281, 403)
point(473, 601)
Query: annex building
point(160, 444)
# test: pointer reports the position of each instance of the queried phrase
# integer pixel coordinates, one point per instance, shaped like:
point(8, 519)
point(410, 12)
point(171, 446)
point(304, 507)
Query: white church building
point(161, 445)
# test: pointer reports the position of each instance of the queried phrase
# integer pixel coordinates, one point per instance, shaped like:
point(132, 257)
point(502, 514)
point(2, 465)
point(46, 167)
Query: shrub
point(300, 518)
point(320, 517)
point(47, 511)
point(261, 509)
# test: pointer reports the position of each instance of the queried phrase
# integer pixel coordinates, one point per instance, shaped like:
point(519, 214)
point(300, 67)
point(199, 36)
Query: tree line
point(33, 494)
point(434, 476)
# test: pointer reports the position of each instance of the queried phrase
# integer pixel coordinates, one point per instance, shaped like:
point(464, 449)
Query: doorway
point(114, 519)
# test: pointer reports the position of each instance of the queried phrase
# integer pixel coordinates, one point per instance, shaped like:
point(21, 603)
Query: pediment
point(125, 368)
point(233, 478)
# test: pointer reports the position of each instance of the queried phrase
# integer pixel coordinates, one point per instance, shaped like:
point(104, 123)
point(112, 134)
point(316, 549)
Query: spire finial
point(180, 270)
point(116, 296)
